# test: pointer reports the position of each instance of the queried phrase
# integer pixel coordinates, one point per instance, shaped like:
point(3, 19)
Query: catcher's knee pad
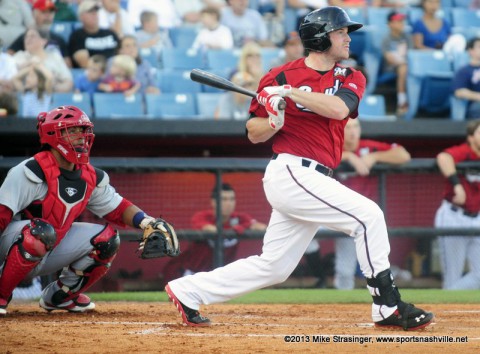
point(383, 289)
point(35, 240)
point(105, 247)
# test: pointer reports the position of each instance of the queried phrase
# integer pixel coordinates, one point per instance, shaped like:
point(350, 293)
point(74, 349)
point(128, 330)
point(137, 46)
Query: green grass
point(312, 296)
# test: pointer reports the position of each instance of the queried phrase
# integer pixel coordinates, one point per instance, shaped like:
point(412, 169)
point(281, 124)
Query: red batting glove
point(282, 91)
point(276, 116)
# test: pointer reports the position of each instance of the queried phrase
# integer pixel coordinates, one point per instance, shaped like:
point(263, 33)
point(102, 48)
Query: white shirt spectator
point(167, 16)
point(107, 19)
point(249, 26)
point(15, 17)
point(8, 68)
point(219, 38)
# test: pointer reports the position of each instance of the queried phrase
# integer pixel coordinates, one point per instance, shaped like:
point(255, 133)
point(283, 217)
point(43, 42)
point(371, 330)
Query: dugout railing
point(219, 167)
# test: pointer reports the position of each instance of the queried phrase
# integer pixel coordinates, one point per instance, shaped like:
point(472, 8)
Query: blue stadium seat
point(76, 72)
point(62, 28)
point(428, 81)
point(290, 19)
point(460, 59)
point(269, 55)
point(151, 56)
point(183, 36)
point(464, 17)
point(223, 59)
point(373, 107)
point(377, 16)
point(207, 103)
point(181, 58)
point(81, 100)
point(226, 73)
point(357, 14)
point(171, 106)
point(117, 105)
point(177, 81)
point(462, 3)
point(458, 110)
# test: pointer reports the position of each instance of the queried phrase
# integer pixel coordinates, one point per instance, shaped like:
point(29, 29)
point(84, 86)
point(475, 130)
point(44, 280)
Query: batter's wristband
point(454, 179)
point(137, 219)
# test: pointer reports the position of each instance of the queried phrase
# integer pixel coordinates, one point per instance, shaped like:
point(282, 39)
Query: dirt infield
point(117, 327)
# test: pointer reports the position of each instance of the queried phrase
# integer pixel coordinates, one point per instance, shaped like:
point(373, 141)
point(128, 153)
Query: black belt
point(324, 170)
point(470, 214)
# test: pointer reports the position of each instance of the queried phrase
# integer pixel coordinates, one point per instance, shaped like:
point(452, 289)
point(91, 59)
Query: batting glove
point(276, 116)
point(282, 91)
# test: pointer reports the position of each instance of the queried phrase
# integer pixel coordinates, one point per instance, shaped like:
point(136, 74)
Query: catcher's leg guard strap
point(35, 239)
point(105, 248)
point(383, 289)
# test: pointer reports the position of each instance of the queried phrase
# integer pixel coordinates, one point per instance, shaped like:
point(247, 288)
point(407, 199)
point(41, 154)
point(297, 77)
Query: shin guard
point(383, 289)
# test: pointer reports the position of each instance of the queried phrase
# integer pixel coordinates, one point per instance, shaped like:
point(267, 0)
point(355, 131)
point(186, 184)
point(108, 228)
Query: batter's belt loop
point(324, 170)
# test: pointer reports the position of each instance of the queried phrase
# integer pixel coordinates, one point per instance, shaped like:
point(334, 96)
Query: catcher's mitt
point(159, 240)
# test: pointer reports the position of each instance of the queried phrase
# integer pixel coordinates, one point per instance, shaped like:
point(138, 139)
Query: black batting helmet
point(316, 26)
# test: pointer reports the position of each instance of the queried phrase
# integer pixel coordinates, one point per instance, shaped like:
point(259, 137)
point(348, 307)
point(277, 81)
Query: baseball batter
point(460, 208)
point(39, 201)
point(307, 144)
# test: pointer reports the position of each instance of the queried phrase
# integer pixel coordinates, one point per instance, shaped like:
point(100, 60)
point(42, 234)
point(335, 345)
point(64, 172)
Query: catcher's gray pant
point(72, 250)
point(456, 250)
point(302, 200)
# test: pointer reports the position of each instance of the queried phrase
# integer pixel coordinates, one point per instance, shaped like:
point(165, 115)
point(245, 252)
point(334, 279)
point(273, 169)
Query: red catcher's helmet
point(51, 125)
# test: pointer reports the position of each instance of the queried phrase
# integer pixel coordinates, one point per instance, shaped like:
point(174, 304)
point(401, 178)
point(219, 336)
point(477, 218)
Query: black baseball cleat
point(190, 316)
point(408, 317)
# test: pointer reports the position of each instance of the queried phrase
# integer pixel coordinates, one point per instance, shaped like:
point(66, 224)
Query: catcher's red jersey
point(306, 133)
point(470, 181)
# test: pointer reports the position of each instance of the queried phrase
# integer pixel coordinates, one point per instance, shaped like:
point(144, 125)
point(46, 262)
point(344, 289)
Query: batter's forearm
point(259, 130)
point(327, 106)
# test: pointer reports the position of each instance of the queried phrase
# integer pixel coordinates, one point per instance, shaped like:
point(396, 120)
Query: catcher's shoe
point(3, 305)
point(408, 317)
point(190, 316)
point(81, 303)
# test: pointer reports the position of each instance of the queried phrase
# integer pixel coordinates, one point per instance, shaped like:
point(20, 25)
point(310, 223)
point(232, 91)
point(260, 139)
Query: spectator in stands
point(43, 14)
point(213, 35)
point(190, 11)
point(65, 11)
point(150, 36)
point(15, 18)
point(246, 24)
point(466, 81)
point(90, 39)
point(362, 155)
point(234, 105)
point(91, 78)
point(167, 16)
point(199, 256)
point(121, 76)
point(35, 83)
point(293, 49)
point(251, 60)
point(8, 103)
point(112, 16)
point(460, 208)
point(430, 31)
point(36, 52)
point(145, 73)
point(394, 49)
point(8, 70)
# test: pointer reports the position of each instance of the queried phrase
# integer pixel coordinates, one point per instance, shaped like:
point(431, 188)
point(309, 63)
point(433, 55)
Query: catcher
point(39, 201)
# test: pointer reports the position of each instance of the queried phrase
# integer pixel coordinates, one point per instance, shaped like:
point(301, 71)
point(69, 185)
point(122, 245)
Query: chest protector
point(68, 193)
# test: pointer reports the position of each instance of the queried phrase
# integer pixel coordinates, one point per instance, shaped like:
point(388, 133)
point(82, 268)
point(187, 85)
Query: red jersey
point(238, 221)
point(366, 186)
point(470, 181)
point(305, 133)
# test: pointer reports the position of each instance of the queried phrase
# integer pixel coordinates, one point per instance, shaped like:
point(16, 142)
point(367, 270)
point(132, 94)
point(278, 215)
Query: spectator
point(43, 14)
point(150, 36)
point(460, 209)
point(112, 16)
point(251, 61)
point(362, 155)
point(8, 69)
point(167, 16)
point(213, 35)
point(394, 49)
point(35, 83)
point(145, 73)
point(91, 78)
point(121, 76)
point(466, 81)
point(65, 11)
point(15, 18)
point(234, 105)
point(190, 11)
point(36, 51)
point(293, 49)
point(8, 103)
point(199, 256)
point(430, 31)
point(245, 24)
point(90, 39)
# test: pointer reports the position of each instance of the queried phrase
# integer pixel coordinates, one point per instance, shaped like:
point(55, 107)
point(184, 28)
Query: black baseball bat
point(206, 78)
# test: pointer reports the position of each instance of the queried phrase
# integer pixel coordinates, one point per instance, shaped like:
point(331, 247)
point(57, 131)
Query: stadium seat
point(357, 14)
point(76, 72)
point(373, 107)
point(377, 16)
point(207, 104)
point(428, 81)
point(290, 19)
point(268, 56)
point(151, 56)
point(464, 17)
point(117, 105)
point(462, 3)
point(171, 106)
point(183, 36)
point(81, 100)
point(458, 110)
point(177, 81)
point(460, 59)
point(226, 73)
point(223, 59)
point(181, 58)
point(62, 28)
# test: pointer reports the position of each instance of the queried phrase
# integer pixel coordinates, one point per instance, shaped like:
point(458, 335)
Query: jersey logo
point(71, 191)
point(333, 90)
point(340, 71)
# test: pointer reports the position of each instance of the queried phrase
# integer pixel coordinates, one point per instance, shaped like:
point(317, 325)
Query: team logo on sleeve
point(340, 71)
